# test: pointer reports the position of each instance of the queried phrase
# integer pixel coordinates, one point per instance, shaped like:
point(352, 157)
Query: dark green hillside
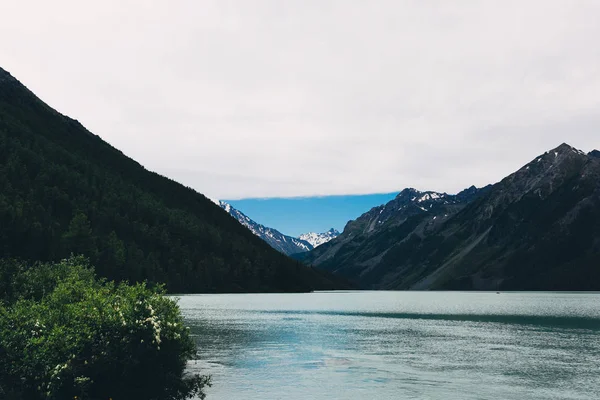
point(64, 190)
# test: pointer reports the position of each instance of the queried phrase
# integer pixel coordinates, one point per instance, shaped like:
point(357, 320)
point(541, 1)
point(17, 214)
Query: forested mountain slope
point(64, 190)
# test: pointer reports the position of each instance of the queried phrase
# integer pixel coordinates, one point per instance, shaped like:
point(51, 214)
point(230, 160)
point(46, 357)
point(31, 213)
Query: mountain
point(537, 229)
point(64, 190)
point(286, 244)
point(360, 246)
point(280, 242)
point(317, 239)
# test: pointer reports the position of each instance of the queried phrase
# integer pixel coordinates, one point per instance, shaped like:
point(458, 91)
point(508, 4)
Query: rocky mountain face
point(537, 229)
point(317, 239)
point(283, 243)
point(363, 240)
point(594, 153)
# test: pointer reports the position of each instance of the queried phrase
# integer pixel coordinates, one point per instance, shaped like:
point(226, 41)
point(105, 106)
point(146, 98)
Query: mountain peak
point(317, 239)
point(408, 192)
point(566, 148)
point(554, 158)
point(594, 153)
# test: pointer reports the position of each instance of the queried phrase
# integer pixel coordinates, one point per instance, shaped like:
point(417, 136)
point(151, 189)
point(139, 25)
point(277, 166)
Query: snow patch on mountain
point(317, 239)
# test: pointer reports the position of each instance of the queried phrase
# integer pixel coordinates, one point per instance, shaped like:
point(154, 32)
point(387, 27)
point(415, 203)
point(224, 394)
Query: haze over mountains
point(537, 229)
point(283, 243)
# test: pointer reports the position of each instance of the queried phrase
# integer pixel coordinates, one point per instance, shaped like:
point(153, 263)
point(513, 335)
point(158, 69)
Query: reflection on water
point(398, 345)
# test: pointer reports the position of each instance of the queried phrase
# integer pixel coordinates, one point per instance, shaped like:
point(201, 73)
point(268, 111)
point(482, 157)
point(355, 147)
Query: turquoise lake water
point(397, 345)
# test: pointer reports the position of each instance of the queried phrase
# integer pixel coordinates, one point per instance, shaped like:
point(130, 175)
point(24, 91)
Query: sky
point(298, 215)
point(270, 98)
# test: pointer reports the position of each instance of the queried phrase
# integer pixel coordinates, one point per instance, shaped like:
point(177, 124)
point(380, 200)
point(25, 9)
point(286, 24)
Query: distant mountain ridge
point(284, 243)
point(433, 207)
point(537, 229)
point(410, 202)
point(317, 239)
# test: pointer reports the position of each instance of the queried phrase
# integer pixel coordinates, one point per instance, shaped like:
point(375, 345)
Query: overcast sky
point(297, 98)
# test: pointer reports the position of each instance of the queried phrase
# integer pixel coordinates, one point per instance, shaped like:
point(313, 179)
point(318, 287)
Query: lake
point(397, 345)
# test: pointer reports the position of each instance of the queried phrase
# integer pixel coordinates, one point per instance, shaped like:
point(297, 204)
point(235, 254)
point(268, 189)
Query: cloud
point(297, 98)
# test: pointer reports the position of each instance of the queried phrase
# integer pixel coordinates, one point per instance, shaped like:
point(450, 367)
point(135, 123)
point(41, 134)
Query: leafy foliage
point(65, 190)
point(65, 335)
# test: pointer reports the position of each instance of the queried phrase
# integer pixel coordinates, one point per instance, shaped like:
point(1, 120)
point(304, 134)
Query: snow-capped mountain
point(284, 243)
point(317, 239)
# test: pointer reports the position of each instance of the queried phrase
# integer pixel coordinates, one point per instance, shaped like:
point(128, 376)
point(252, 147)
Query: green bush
point(66, 335)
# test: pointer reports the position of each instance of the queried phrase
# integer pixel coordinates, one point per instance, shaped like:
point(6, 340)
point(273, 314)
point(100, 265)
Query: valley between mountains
point(286, 244)
point(537, 229)
point(65, 190)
